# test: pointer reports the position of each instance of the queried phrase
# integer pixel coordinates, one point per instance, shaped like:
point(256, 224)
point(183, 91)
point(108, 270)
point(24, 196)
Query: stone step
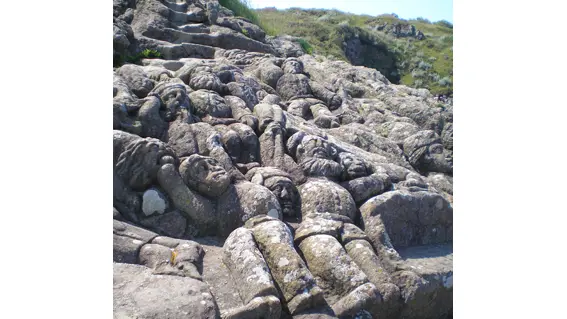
point(181, 18)
point(179, 7)
point(186, 50)
point(227, 41)
point(195, 28)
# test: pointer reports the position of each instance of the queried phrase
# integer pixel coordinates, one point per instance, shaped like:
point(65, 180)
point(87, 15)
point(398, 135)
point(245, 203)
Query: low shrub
point(307, 48)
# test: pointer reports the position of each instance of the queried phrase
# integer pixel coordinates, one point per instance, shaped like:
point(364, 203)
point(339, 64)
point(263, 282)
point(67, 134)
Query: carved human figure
point(202, 190)
point(205, 175)
point(125, 103)
point(241, 143)
point(338, 254)
point(331, 244)
point(173, 97)
point(315, 155)
point(426, 153)
point(261, 256)
point(272, 122)
point(280, 183)
point(241, 112)
point(136, 164)
point(162, 105)
point(293, 85)
point(359, 179)
point(201, 138)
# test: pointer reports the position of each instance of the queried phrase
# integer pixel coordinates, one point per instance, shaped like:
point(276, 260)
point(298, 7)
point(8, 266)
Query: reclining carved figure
point(202, 189)
point(307, 98)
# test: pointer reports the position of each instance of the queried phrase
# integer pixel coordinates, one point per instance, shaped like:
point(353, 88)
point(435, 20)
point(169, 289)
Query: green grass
point(241, 8)
point(427, 63)
point(396, 58)
point(136, 59)
point(307, 48)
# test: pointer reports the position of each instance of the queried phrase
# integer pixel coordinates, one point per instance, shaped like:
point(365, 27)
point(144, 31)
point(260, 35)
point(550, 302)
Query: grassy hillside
point(426, 63)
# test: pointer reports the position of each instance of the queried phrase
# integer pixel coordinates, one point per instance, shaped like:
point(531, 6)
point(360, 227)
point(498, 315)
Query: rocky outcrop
point(400, 30)
point(251, 180)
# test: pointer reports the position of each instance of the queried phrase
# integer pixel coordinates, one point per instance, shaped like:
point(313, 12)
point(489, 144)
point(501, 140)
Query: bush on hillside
point(307, 48)
point(445, 23)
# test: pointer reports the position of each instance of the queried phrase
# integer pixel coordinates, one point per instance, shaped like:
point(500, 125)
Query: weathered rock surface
point(252, 180)
point(138, 293)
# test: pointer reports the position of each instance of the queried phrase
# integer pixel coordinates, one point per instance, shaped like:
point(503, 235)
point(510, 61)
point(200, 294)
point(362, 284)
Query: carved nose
point(284, 193)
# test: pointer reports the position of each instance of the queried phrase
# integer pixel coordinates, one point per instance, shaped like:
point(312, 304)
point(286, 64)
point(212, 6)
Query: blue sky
point(434, 10)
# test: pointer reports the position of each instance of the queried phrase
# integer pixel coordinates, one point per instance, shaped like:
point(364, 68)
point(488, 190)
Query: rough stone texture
point(269, 73)
point(245, 92)
point(286, 46)
point(362, 253)
point(231, 127)
point(324, 196)
point(128, 240)
point(172, 224)
point(280, 184)
point(241, 25)
point(369, 140)
point(137, 293)
point(247, 266)
point(293, 86)
point(365, 187)
point(289, 271)
point(136, 79)
point(408, 229)
point(410, 218)
point(427, 278)
point(333, 269)
point(207, 102)
point(243, 201)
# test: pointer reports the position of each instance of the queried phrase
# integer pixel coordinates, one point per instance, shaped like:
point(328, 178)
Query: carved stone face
point(435, 159)
point(173, 98)
point(286, 193)
point(281, 185)
point(312, 146)
point(292, 66)
point(316, 157)
point(425, 152)
point(353, 167)
point(137, 160)
point(205, 175)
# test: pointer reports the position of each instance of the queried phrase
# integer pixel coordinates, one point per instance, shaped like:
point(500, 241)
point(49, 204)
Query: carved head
point(173, 97)
point(138, 159)
point(314, 154)
point(292, 66)
point(352, 166)
point(280, 184)
point(425, 152)
point(206, 81)
point(204, 175)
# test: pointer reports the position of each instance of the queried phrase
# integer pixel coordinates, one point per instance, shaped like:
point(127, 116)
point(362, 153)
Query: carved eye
point(436, 149)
